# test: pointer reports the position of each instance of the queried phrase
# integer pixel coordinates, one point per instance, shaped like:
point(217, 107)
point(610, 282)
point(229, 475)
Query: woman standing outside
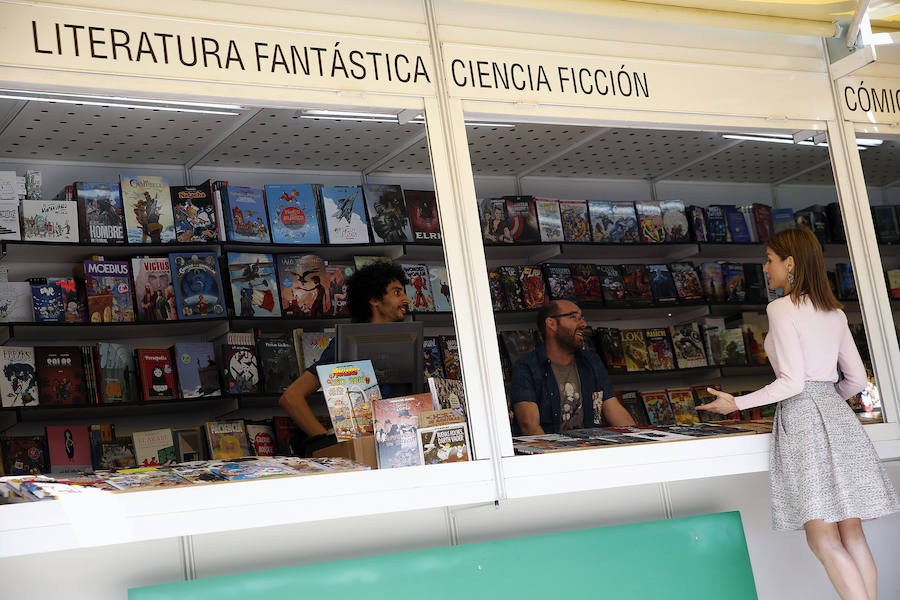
point(825, 475)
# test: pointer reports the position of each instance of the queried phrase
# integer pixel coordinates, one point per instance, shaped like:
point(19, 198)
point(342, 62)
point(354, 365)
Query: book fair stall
point(184, 200)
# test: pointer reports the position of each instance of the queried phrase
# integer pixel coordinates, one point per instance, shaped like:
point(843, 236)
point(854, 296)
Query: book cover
point(818, 222)
point(286, 432)
point(687, 282)
point(345, 215)
point(444, 444)
point(658, 408)
point(423, 215)
point(254, 285)
point(750, 222)
point(117, 376)
point(227, 439)
point(517, 343)
point(304, 285)
point(16, 305)
point(364, 261)
point(560, 284)
point(893, 280)
point(10, 228)
point(717, 225)
point(733, 280)
point(662, 284)
point(60, 375)
point(711, 328)
point(637, 285)
point(682, 402)
point(496, 227)
point(650, 222)
point(697, 219)
point(277, 363)
point(753, 342)
point(23, 455)
point(388, 214)
point(154, 290)
point(712, 281)
point(261, 439)
point(444, 416)
point(440, 288)
point(512, 291)
point(734, 353)
point(612, 284)
point(246, 219)
point(523, 219)
point(603, 223)
point(610, 342)
point(625, 223)
point(782, 218)
point(157, 373)
point(660, 356)
point(418, 288)
point(632, 402)
point(51, 298)
point(845, 282)
point(293, 213)
point(674, 220)
point(101, 218)
point(762, 216)
point(688, 345)
point(396, 423)
point(634, 346)
point(337, 288)
point(450, 354)
point(433, 364)
point(69, 448)
point(49, 221)
point(737, 224)
point(194, 213)
point(495, 285)
point(189, 444)
point(18, 384)
point(314, 344)
point(198, 373)
point(586, 283)
point(448, 394)
point(147, 203)
point(549, 220)
point(702, 396)
point(531, 282)
point(575, 221)
point(33, 184)
point(240, 369)
point(198, 285)
point(108, 287)
point(350, 390)
point(755, 285)
point(154, 448)
point(117, 454)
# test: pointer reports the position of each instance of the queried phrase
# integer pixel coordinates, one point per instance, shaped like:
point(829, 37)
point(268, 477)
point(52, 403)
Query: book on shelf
point(734, 283)
point(55, 300)
point(734, 353)
point(189, 444)
point(712, 281)
point(68, 448)
point(116, 454)
point(696, 216)
point(662, 284)
point(197, 370)
point(194, 213)
point(277, 363)
point(24, 454)
point(157, 373)
point(609, 341)
point(717, 225)
point(845, 283)
point(360, 262)
point(650, 222)
point(517, 343)
point(227, 439)
point(344, 212)
point(496, 227)
point(246, 217)
point(440, 288)
point(16, 305)
point(687, 345)
point(687, 282)
point(634, 346)
point(423, 215)
point(762, 215)
point(836, 222)
point(660, 356)
point(750, 222)
point(703, 396)
point(559, 280)
point(314, 344)
point(450, 354)
point(116, 374)
point(625, 223)
point(388, 214)
point(782, 218)
point(198, 285)
point(575, 221)
point(154, 289)
point(612, 284)
point(712, 327)
point(442, 444)
point(254, 285)
point(18, 377)
point(147, 204)
point(586, 282)
point(418, 288)
point(549, 220)
point(154, 448)
point(631, 401)
point(50, 221)
point(815, 218)
point(738, 232)
point(522, 215)
point(350, 390)
point(108, 289)
point(60, 375)
point(637, 285)
point(510, 277)
point(893, 281)
point(753, 342)
point(337, 288)
point(498, 295)
point(659, 411)
point(444, 416)
point(294, 213)
point(755, 286)
point(33, 184)
point(286, 436)
point(240, 369)
point(396, 422)
point(304, 284)
point(449, 394)
point(101, 218)
point(432, 362)
point(531, 282)
point(261, 438)
point(674, 221)
point(682, 402)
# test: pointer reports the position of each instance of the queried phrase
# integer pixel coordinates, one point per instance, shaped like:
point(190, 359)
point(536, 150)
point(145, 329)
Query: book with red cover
point(60, 375)
point(157, 373)
point(69, 448)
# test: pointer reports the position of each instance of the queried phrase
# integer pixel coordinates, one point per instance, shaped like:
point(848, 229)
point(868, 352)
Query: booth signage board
point(111, 43)
point(524, 76)
point(870, 99)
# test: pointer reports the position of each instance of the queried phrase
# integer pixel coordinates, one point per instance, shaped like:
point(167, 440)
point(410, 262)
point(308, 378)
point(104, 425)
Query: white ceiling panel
point(510, 150)
point(755, 162)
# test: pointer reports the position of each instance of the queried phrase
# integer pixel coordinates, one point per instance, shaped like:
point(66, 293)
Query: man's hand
point(723, 404)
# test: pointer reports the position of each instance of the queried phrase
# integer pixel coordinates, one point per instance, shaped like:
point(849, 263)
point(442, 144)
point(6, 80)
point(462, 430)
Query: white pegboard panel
point(511, 150)
point(415, 160)
point(72, 132)
point(755, 162)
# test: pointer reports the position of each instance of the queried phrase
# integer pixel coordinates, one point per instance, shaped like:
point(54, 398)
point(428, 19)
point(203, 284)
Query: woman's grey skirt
point(822, 464)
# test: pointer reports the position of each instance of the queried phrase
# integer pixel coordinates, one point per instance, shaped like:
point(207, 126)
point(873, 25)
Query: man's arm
point(529, 418)
point(293, 401)
point(615, 414)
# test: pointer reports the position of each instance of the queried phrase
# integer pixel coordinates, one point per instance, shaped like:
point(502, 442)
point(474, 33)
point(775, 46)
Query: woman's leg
point(824, 540)
point(853, 538)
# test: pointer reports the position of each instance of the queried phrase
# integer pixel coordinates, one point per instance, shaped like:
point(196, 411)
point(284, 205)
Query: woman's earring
point(791, 278)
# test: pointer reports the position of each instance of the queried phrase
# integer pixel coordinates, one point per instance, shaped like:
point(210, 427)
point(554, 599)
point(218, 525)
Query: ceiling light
point(117, 105)
point(366, 119)
point(126, 99)
point(473, 124)
point(860, 144)
point(342, 113)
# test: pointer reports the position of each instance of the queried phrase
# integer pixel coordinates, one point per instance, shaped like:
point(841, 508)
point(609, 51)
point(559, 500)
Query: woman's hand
point(723, 404)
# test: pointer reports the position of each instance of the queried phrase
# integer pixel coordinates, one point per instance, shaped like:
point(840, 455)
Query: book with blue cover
point(344, 210)
point(737, 224)
point(254, 285)
point(782, 218)
point(733, 280)
point(293, 213)
point(245, 215)
point(388, 214)
point(440, 288)
point(198, 374)
point(198, 285)
point(716, 225)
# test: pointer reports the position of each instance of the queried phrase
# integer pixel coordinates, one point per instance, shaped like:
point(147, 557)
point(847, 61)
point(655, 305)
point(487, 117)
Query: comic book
point(716, 225)
point(753, 342)
point(575, 221)
point(498, 296)
point(610, 340)
point(337, 288)
point(450, 354)
point(423, 215)
point(612, 284)
point(360, 262)
point(154, 291)
point(762, 215)
point(153, 448)
point(244, 211)
point(227, 439)
point(702, 396)
point(147, 203)
point(314, 344)
point(449, 394)
point(517, 343)
point(198, 285)
point(16, 304)
point(304, 285)
point(560, 284)
point(344, 211)
point(421, 298)
point(117, 377)
point(444, 444)
point(157, 373)
point(116, 454)
point(18, 383)
point(531, 282)
point(756, 289)
point(662, 284)
point(195, 213)
point(512, 290)
point(711, 328)
point(688, 345)
point(586, 282)
point(396, 423)
point(293, 213)
point(496, 226)
point(254, 285)
point(674, 221)
point(277, 363)
point(24, 454)
point(522, 219)
point(261, 439)
point(108, 286)
point(637, 285)
point(782, 218)
point(603, 224)
point(697, 219)
point(49, 221)
point(734, 353)
point(69, 448)
point(440, 288)
point(660, 356)
point(388, 215)
point(682, 402)
point(444, 416)
point(845, 282)
point(631, 400)
point(549, 220)
point(350, 389)
point(686, 282)
point(101, 219)
point(737, 224)
point(240, 369)
point(54, 299)
point(245, 469)
point(433, 364)
point(733, 280)
point(658, 408)
point(713, 284)
point(625, 222)
point(650, 222)
point(198, 373)
point(60, 375)
point(634, 346)
point(189, 444)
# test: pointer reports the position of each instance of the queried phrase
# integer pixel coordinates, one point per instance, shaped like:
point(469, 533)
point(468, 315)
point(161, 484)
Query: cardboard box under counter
point(361, 450)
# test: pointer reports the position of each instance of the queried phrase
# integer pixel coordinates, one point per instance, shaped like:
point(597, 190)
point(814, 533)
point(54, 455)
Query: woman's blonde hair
point(809, 266)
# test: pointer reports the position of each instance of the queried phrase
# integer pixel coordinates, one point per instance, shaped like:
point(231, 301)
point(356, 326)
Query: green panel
point(696, 558)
